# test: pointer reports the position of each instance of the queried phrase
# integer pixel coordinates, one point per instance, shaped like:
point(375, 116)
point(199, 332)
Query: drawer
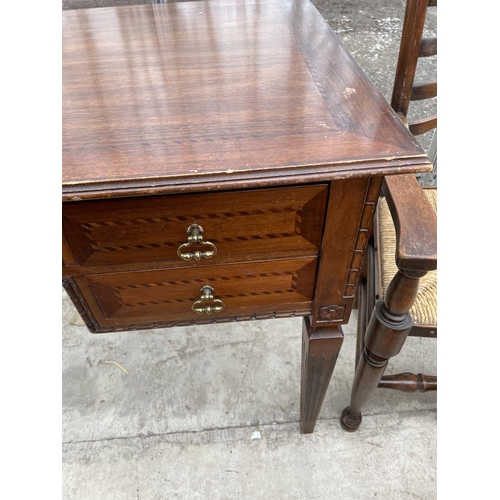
point(134, 298)
point(237, 226)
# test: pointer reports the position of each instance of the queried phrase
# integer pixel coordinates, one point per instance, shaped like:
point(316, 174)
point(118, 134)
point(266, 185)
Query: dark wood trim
point(413, 27)
point(409, 382)
point(306, 174)
point(428, 47)
point(80, 303)
point(423, 91)
point(420, 127)
point(341, 258)
point(415, 223)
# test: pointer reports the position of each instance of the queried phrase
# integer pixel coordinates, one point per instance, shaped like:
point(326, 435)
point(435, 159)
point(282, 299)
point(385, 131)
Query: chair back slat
point(414, 46)
point(413, 28)
point(426, 90)
point(428, 46)
point(422, 126)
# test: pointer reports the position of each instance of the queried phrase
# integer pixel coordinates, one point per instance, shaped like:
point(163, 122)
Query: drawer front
point(240, 225)
point(133, 298)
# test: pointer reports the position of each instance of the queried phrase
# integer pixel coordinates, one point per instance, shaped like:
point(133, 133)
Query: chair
point(397, 292)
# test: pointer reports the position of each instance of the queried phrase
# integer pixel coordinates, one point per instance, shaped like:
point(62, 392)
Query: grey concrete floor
point(212, 412)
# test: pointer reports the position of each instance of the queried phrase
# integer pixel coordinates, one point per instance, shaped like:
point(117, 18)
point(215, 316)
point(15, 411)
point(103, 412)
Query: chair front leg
point(387, 330)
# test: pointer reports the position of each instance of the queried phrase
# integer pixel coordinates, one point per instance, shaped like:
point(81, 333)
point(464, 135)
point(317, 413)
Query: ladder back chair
point(397, 292)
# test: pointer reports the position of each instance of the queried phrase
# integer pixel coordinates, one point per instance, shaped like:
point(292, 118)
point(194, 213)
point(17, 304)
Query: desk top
point(218, 94)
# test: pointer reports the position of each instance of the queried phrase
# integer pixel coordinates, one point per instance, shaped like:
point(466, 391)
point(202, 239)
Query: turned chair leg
point(320, 349)
point(385, 335)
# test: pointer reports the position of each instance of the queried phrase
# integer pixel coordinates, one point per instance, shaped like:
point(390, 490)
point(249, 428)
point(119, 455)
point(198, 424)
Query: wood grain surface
point(210, 95)
point(132, 298)
point(147, 231)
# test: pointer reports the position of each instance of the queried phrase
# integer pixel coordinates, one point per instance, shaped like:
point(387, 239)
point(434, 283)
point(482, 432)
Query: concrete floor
point(211, 412)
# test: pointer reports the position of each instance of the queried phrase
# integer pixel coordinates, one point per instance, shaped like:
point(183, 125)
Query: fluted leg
point(320, 349)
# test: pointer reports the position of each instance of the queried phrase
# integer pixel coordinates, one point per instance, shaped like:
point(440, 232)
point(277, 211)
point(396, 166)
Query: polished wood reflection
point(180, 95)
point(247, 118)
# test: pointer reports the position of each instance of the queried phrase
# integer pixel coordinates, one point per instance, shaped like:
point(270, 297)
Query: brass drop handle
point(207, 296)
point(195, 236)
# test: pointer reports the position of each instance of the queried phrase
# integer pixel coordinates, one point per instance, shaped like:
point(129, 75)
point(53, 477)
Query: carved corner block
point(331, 313)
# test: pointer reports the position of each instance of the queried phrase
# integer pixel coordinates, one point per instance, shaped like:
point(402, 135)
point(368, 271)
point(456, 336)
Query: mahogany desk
point(221, 162)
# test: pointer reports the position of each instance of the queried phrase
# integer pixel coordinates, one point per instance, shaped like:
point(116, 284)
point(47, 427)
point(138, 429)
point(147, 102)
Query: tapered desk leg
point(320, 349)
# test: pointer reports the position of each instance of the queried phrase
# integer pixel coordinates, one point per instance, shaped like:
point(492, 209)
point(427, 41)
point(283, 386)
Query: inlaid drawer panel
point(237, 226)
point(148, 296)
